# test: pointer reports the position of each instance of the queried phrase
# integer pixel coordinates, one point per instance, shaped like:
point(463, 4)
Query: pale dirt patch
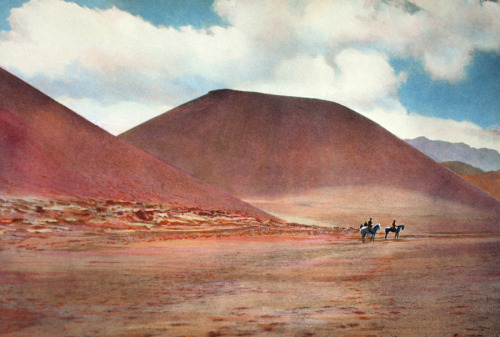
point(340, 206)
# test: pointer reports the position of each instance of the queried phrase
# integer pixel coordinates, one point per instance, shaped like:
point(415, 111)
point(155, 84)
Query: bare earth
point(103, 268)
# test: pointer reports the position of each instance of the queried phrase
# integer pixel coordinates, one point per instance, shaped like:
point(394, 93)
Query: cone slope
point(258, 146)
point(46, 149)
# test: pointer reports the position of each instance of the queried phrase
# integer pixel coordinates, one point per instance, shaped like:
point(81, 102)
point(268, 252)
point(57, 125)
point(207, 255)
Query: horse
point(398, 229)
point(372, 232)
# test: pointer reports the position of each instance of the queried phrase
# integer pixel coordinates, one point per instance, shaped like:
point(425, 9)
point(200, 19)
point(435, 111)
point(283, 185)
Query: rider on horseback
point(393, 226)
point(369, 226)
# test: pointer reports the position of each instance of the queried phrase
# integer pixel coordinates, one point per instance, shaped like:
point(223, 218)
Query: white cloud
point(109, 64)
point(49, 36)
point(115, 118)
point(303, 76)
point(367, 80)
point(360, 80)
point(442, 34)
point(412, 125)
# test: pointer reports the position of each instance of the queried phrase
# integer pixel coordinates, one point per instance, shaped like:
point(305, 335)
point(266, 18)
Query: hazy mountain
point(485, 159)
point(296, 155)
point(495, 128)
point(47, 149)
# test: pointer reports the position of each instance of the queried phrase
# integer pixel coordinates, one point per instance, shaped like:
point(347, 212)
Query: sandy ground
point(351, 206)
point(91, 280)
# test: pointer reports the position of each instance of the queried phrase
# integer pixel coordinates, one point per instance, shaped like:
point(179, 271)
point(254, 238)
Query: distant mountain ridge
point(495, 128)
point(441, 151)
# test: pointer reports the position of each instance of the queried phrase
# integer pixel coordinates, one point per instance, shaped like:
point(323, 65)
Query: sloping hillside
point(461, 168)
point(46, 149)
point(488, 181)
point(297, 156)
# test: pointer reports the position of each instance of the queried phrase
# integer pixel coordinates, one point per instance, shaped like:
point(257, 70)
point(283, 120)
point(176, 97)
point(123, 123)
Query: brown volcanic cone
point(488, 181)
point(318, 154)
point(461, 168)
point(46, 149)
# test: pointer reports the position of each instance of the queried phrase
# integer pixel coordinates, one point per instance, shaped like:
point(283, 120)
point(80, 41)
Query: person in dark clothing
point(369, 226)
point(393, 226)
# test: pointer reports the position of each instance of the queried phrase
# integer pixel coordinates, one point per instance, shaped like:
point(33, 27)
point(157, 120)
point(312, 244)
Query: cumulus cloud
point(359, 79)
point(126, 114)
point(108, 63)
point(367, 80)
point(412, 125)
point(442, 34)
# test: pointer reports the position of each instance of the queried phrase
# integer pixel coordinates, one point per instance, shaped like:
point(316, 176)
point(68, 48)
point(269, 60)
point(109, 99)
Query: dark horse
point(372, 232)
point(398, 229)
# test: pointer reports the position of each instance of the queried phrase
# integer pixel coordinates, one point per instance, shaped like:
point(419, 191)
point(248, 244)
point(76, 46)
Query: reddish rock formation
point(256, 145)
point(488, 181)
point(461, 168)
point(47, 149)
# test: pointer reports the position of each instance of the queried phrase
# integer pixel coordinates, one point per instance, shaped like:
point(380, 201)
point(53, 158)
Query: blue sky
point(476, 98)
point(419, 68)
